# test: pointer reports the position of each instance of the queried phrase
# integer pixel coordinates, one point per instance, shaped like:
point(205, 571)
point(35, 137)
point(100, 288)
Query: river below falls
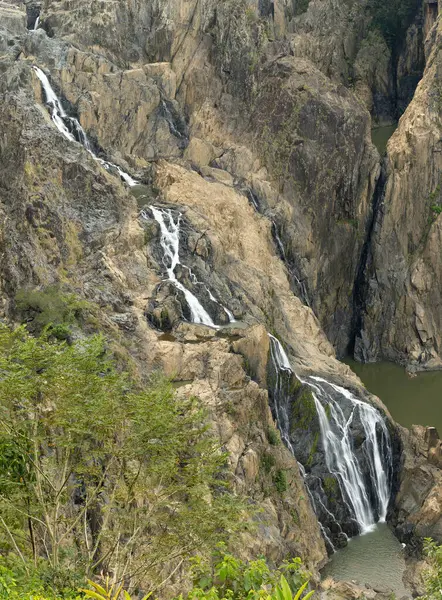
point(375, 558)
point(381, 135)
point(410, 400)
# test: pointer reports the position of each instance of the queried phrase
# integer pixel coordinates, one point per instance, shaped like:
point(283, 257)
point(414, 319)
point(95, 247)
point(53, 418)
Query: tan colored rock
point(13, 17)
point(164, 76)
point(404, 320)
point(435, 455)
point(250, 464)
point(248, 257)
point(218, 175)
point(254, 346)
point(199, 153)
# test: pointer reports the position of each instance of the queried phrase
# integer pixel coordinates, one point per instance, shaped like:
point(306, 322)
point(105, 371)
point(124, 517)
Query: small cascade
point(284, 373)
point(170, 243)
point(363, 474)
point(171, 121)
point(225, 309)
point(299, 285)
point(37, 23)
point(71, 128)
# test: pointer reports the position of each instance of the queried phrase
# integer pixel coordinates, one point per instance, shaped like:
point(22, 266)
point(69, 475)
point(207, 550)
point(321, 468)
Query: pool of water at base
point(381, 135)
point(375, 558)
point(410, 400)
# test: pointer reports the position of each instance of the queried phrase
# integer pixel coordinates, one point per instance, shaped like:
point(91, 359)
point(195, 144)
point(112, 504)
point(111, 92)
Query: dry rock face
point(418, 503)
point(308, 159)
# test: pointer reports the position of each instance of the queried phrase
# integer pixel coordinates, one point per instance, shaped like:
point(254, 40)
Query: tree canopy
point(98, 475)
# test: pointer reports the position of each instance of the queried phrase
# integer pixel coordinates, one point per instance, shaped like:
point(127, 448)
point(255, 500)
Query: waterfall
point(71, 128)
point(37, 23)
point(225, 309)
point(170, 243)
point(367, 501)
point(341, 459)
point(283, 372)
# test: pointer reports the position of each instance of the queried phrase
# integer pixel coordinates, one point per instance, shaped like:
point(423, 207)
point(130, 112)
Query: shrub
point(433, 576)
point(51, 309)
point(280, 481)
point(229, 577)
point(273, 436)
point(268, 461)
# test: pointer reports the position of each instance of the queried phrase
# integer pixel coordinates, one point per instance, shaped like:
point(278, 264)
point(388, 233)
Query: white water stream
point(341, 459)
point(71, 128)
point(170, 243)
point(336, 436)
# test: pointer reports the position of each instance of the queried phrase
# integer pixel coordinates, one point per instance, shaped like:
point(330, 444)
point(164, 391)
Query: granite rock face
point(401, 317)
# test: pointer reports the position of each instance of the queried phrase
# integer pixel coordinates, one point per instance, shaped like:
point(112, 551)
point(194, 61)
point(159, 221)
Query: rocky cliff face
point(402, 313)
point(234, 117)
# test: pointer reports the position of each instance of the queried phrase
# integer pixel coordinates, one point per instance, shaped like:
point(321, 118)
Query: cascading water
point(71, 128)
point(283, 372)
point(366, 495)
point(37, 23)
point(170, 243)
point(341, 458)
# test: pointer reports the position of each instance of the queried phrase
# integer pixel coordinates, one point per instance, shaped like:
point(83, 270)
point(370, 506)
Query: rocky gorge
point(255, 237)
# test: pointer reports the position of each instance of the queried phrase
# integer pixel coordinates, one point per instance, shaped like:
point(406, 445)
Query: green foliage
point(433, 577)
point(273, 436)
point(227, 577)
point(303, 410)
point(50, 308)
point(330, 486)
point(280, 481)
point(31, 581)
point(251, 15)
point(393, 18)
point(267, 461)
point(301, 6)
point(110, 591)
point(95, 469)
point(435, 206)
point(313, 449)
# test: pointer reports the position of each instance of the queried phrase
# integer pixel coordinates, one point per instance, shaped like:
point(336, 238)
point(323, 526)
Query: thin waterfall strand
point(67, 125)
point(170, 243)
point(281, 365)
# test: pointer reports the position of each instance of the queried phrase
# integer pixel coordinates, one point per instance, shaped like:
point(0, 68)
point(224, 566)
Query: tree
point(433, 577)
point(98, 474)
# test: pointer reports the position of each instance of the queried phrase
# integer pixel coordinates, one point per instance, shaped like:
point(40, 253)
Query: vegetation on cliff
point(223, 577)
point(98, 475)
point(393, 18)
point(433, 577)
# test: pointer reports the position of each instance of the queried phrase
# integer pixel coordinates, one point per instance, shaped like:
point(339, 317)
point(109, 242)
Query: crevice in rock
point(359, 347)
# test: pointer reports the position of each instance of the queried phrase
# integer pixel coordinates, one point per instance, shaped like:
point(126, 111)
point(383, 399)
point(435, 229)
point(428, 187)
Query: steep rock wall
point(308, 159)
point(402, 317)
